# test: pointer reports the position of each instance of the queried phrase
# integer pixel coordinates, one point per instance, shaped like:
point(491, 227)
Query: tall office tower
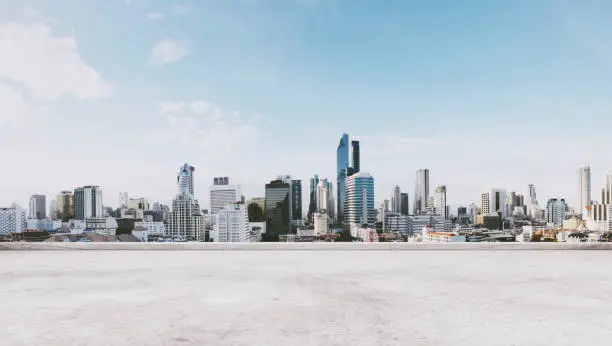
point(312, 205)
point(440, 202)
point(38, 207)
point(186, 219)
point(556, 210)
point(484, 203)
point(322, 197)
point(421, 191)
point(232, 224)
point(359, 208)
point(396, 200)
point(12, 220)
point(65, 205)
point(123, 199)
point(331, 204)
point(138, 203)
point(356, 159)
point(532, 203)
point(87, 202)
point(342, 165)
point(497, 203)
point(296, 197)
point(278, 208)
point(184, 179)
point(606, 191)
point(584, 187)
point(405, 208)
point(222, 194)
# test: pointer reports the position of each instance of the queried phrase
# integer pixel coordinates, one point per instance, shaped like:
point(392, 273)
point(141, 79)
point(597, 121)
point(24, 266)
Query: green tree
point(256, 214)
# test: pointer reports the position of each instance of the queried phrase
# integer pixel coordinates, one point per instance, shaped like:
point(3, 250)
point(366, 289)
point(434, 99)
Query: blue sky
point(487, 94)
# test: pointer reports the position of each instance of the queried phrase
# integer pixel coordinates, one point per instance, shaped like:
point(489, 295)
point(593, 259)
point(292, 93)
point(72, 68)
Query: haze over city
point(121, 93)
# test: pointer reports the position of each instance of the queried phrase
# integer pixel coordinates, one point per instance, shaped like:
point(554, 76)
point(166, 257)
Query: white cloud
point(13, 105)
point(168, 51)
point(202, 124)
point(156, 16)
point(47, 65)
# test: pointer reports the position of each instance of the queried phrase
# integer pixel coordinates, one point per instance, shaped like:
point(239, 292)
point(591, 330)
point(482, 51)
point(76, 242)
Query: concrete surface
point(306, 297)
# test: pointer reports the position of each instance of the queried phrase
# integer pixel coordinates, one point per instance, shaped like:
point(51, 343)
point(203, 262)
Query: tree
point(256, 214)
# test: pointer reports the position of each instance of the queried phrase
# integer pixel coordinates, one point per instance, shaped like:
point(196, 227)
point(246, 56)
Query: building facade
point(405, 207)
point(87, 202)
point(222, 194)
point(296, 200)
point(278, 208)
point(584, 187)
point(556, 210)
point(185, 221)
point(232, 224)
point(396, 200)
point(359, 208)
point(12, 220)
point(440, 206)
point(342, 165)
point(421, 191)
point(38, 207)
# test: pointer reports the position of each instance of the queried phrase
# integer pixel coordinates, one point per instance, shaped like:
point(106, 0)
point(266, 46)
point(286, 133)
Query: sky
point(120, 93)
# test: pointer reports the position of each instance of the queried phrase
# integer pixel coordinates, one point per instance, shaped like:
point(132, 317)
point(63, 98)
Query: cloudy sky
point(486, 94)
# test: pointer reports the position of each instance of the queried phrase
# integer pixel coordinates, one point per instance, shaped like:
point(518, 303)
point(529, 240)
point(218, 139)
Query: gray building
point(421, 191)
point(38, 207)
point(278, 209)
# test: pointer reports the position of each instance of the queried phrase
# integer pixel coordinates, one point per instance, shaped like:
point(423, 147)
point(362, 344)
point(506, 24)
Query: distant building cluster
point(338, 209)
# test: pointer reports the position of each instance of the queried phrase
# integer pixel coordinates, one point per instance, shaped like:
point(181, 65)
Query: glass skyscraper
point(278, 209)
point(312, 206)
point(296, 196)
point(342, 170)
point(359, 209)
point(421, 191)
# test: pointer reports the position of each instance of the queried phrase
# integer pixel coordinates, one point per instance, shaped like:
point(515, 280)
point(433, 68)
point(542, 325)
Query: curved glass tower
point(342, 170)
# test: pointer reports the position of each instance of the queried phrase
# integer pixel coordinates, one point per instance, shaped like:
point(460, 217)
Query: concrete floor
point(305, 297)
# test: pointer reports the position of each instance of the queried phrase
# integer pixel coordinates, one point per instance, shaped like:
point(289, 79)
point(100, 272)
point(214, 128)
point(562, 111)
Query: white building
point(44, 225)
point(138, 203)
point(556, 210)
point(432, 236)
point(232, 224)
point(359, 206)
point(396, 223)
point(366, 234)
point(222, 194)
point(396, 200)
point(440, 207)
point(584, 186)
point(494, 202)
point(153, 228)
point(321, 223)
point(101, 225)
point(88, 202)
point(12, 220)
point(532, 202)
point(322, 196)
point(185, 221)
point(598, 217)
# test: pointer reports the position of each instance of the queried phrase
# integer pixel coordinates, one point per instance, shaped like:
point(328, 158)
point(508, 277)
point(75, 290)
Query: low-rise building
point(432, 236)
point(155, 229)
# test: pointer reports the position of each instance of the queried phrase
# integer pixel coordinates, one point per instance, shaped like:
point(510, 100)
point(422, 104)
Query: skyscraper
point(296, 197)
point(356, 159)
point(584, 187)
point(38, 207)
point(222, 194)
point(312, 205)
point(278, 208)
point(87, 202)
point(342, 155)
point(322, 197)
point(532, 205)
point(396, 200)
point(65, 205)
point(123, 199)
point(232, 224)
point(496, 203)
point(421, 191)
point(404, 209)
point(556, 210)
point(359, 207)
point(186, 219)
point(606, 191)
point(440, 202)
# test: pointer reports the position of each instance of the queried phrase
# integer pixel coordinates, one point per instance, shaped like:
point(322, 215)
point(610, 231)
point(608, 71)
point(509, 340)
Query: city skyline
point(152, 95)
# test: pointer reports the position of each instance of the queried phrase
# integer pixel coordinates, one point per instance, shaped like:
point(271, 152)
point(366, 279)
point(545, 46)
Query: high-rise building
point(359, 208)
point(321, 223)
point(12, 220)
point(497, 203)
point(312, 205)
point(396, 200)
point(138, 203)
point(331, 204)
point(64, 204)
point(556, 210)
point(441, 208)
point(342, 156)
point(532, 205)
point(232, 224)
point(186, 220)
point(184, 179)
point(322, 196)
point(356, 159)
point(278, 208)
point(606, 191)
point(484, 203)
point(38, 207)
point(405, 208)
point(296, 200)
point(584, 187)
point(222, 194)
point(123, 199)
point(421, 191)
point(87, 202)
